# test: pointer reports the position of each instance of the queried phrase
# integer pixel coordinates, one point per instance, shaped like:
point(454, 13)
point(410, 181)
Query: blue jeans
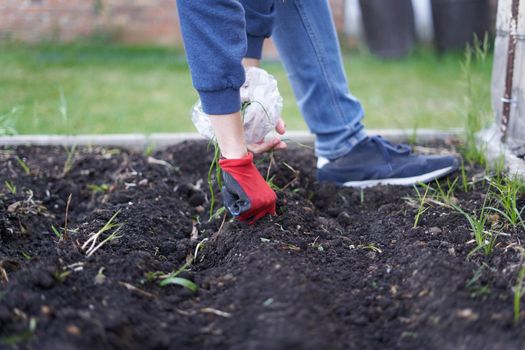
point(305, 36)
point(219, 33)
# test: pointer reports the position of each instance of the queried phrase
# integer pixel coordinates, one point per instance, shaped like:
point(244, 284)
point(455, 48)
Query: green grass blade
point(183, 282)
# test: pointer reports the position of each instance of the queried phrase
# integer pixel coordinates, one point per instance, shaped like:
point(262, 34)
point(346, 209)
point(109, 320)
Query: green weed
point(214, 168)
point(94, 188)
point(56, 232)
point(485, 239)
point(91, 246)
point(68, 165)
point(422, 200)
point(173, 278)
point(23, 164)
point(465, 184)
point(507, 191)
point(10, 186)
point(61, 276)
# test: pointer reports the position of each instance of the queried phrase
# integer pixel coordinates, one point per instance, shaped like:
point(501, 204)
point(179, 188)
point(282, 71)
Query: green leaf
point(181, 282)
point(55, 231)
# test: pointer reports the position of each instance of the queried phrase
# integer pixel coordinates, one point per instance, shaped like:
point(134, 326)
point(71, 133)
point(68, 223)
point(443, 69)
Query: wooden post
point(507, 136)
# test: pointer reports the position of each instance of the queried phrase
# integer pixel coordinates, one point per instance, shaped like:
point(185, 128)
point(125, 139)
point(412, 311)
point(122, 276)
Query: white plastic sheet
point(262, 105)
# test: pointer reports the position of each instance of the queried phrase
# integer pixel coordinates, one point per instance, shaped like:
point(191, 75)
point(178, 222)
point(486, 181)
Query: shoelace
point(387, 148)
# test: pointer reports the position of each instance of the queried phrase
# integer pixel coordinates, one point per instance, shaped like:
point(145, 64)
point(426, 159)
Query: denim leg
point(305, 36)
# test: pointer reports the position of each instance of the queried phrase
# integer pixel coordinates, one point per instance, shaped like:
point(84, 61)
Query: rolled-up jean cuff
point(255, 47)
point(225, 101)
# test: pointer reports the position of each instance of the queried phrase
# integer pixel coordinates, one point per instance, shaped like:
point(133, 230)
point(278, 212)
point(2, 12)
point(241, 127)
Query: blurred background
point(118, 66)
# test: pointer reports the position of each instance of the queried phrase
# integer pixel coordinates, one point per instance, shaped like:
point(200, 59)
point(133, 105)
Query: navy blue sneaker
point(375, 161)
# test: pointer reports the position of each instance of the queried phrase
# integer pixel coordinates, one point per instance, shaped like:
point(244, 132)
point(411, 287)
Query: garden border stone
point(159, 141)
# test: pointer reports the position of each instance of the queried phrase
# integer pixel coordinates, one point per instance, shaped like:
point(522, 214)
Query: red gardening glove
point(246, 195)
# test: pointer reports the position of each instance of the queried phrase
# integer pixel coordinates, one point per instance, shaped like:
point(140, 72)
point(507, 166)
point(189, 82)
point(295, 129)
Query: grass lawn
point(109, 89)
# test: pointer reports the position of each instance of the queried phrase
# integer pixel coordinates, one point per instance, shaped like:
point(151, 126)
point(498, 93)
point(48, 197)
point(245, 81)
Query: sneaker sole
point(403, 181)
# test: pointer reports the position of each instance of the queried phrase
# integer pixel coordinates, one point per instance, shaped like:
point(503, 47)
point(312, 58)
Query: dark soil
point(336, 269)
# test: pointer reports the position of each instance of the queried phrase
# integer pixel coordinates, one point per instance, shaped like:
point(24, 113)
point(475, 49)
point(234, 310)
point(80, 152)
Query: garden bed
point(336, 269)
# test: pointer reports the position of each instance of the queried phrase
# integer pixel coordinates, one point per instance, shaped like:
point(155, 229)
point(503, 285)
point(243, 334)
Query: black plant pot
point(389, 27)
point(457, 21)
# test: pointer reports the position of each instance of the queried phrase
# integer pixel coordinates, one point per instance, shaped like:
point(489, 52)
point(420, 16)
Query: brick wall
point(128, 21)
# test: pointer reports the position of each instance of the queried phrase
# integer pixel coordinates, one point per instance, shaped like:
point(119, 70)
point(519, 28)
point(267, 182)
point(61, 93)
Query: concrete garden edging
point(158, 141)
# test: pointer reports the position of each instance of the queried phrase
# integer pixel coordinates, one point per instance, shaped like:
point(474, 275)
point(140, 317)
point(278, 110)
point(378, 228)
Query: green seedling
point(173, 278)
point(91, 246)
point(152, 276)
point(26, 256)
point(148, 152)
point(518, 294)
point(214, 167)
point(372, 247)
point(507, 191)
point(68, 165)
point(56, 231)
point(23, 164)
point(61, 276)
point(485, 239)
point(10, 186)
point(362, 196)
point(422, 200)
point(272, 184)
point(183, 282)
point(218, 213)
point(94, 188)
point(440, 195)
point(464, 178)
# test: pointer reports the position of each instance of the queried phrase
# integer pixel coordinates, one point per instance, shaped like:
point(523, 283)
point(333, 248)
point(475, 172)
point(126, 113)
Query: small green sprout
point(56, 231)
point(23, 165)
point(61, 276)
point(485, 239)
point(93, 237)
point(218, 213)
point(372, 247)
point(10, 186)
point(181, 282)
point(94, 188)
point(506, 195)
point(422, 199)
point(464, 178)
point(68, 165)
point(148, 152)
point(214, 167)
point(173, 278)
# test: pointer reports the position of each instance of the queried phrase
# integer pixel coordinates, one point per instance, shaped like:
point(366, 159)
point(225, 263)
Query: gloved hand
point(246, 195)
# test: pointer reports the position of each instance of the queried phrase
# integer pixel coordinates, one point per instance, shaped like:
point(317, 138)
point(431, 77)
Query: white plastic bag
point(262, 105)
